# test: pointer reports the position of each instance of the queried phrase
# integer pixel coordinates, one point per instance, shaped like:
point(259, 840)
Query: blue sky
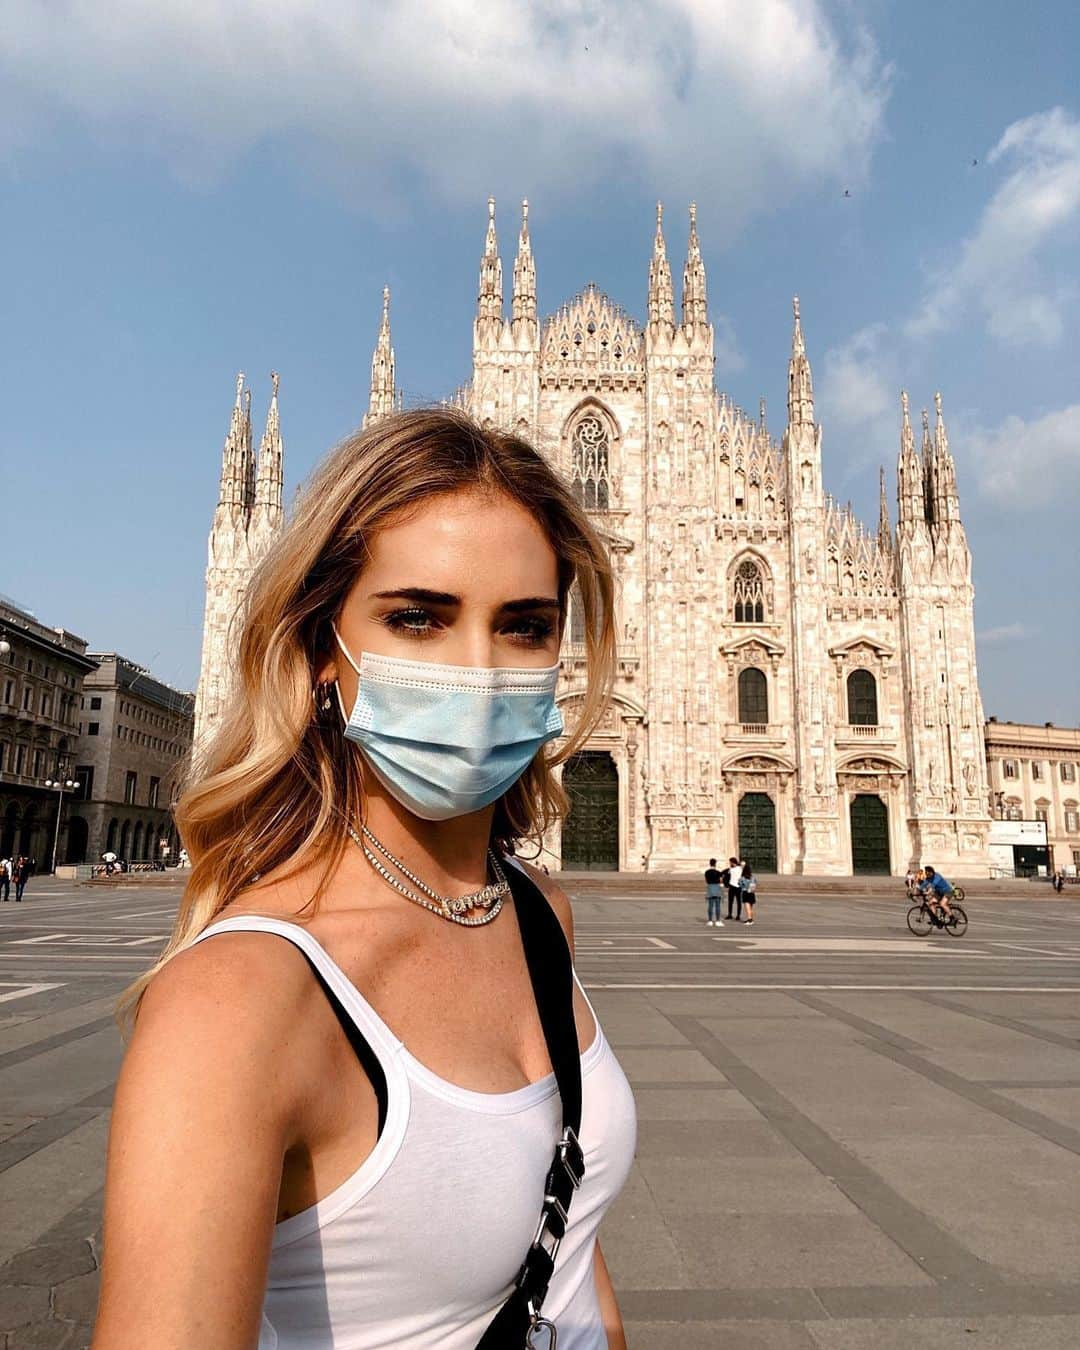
point(192, 189)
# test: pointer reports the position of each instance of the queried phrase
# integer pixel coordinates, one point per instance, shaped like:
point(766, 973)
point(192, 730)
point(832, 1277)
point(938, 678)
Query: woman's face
point(469, 579)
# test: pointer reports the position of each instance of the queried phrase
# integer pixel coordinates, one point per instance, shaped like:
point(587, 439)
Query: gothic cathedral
point(791, 687)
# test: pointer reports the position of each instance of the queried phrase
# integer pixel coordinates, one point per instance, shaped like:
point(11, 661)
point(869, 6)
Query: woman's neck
point(449, 855)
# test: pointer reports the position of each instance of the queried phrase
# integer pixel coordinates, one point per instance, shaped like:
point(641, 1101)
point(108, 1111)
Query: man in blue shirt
point(937, 891)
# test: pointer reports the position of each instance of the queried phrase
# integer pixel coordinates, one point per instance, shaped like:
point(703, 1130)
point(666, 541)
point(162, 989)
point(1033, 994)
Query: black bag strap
point(552, 976)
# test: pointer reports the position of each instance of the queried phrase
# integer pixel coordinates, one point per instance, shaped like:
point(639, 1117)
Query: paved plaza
point(849, 1137)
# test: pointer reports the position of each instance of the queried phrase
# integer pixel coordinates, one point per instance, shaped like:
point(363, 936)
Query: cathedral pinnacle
point(490, 301)
point(694, 300)
point(941, 440)
point(907, 440)
point(661, 292)
point(268, 482)
point(800, 379)
point(237, 466)
point(947, 500)
point(381, 398)
point(884, 528)
point(524, 299)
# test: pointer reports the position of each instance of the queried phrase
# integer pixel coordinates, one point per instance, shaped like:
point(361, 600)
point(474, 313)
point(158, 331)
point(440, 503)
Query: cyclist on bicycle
point(936, 891)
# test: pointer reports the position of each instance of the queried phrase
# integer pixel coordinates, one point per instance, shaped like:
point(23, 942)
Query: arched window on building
point(749, 595)
point(577, 619)
point(753, 697)
point(590, 472)
point(862, 699)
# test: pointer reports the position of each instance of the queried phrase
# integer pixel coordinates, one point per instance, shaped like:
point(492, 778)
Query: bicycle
point(912, 893)
point(921, 918)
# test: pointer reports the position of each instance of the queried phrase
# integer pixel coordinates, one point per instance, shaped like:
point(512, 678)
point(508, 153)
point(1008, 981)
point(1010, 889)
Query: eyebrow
point(420, 595)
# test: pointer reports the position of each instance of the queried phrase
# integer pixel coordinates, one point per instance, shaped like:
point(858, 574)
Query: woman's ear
point(326, 671)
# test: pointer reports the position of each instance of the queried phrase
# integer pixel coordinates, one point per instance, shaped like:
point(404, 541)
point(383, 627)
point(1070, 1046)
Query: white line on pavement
point(864, 988)
point(24, 990)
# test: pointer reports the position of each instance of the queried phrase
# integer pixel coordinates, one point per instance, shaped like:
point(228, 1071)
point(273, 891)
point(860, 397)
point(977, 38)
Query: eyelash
point(404, 621)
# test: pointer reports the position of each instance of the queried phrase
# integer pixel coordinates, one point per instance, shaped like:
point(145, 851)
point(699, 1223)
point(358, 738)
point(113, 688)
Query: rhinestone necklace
point(489, 899)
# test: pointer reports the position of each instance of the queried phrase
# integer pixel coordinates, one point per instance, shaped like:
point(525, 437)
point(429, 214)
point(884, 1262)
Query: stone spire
point(661, 294)
point(268, 482)
point(928, 469)
point(763, 422)
point(800, 380)
point(695, 309)
point(946, 496)
point(381, 401)
point(524, 299)
point(909, 471)
point(237, 467)
point(489, 307)
point(884, 529)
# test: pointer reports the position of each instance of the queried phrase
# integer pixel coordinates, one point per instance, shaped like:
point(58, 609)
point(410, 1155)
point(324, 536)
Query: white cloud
point(1029, 464)
point(1005, 632)
point(729, 359)
point(767, 96)
point(997, 272)
point(856, 389)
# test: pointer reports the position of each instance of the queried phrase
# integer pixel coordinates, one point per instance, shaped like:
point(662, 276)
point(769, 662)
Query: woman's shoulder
point(555, 896)
point(225, 1024)
point(226, 983)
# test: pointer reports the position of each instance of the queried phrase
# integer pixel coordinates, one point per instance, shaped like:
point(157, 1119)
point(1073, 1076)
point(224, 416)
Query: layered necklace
point(489, 899)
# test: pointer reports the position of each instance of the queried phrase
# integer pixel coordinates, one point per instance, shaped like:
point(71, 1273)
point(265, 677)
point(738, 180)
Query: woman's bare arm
point(206, 1106)
point(609, 1306)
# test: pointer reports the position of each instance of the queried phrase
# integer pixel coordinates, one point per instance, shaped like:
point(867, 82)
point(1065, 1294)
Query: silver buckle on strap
point(572, 1156)
point(540, 1324)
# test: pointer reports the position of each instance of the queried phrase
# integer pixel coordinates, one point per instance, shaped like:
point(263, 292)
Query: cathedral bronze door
point(590, 835)
point(757, 831)
point(870, 854)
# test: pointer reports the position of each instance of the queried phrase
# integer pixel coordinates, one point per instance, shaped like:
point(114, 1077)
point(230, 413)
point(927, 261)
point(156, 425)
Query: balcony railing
point(859, 733)
point(754, 731)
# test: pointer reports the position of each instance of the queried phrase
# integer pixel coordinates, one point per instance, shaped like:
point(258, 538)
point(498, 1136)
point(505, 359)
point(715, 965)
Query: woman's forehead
point(467, 538)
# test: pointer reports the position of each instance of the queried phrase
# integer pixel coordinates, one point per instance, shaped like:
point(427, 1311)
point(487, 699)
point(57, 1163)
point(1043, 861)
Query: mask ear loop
point(336, 683)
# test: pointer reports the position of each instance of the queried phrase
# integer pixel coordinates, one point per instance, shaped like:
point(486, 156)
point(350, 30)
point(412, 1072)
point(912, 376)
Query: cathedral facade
point(791, 687)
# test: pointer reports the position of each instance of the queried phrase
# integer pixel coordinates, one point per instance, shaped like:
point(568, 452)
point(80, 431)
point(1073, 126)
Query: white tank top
point(420, 1245)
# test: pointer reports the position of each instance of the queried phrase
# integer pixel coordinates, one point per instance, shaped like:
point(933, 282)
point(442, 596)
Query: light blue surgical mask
point(446, 740)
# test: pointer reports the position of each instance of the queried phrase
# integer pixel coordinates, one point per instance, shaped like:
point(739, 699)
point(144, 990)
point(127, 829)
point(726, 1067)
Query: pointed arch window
point(590, 474)
point(577, 618)
point(753, 697)
point(862, 699)
point(749, 593)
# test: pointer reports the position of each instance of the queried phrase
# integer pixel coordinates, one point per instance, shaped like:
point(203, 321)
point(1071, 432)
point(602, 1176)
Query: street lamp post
point(60, 786)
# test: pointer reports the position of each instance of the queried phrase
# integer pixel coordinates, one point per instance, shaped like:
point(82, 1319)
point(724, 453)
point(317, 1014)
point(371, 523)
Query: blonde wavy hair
point(279, 784)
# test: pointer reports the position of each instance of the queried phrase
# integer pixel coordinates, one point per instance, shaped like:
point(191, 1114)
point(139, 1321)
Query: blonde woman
point(336, 1115)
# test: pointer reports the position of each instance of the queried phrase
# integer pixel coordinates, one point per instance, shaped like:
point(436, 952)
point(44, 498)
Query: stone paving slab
point(848, 1141)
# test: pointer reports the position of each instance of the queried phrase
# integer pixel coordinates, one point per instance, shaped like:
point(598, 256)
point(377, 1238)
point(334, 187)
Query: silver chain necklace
point(489, 898)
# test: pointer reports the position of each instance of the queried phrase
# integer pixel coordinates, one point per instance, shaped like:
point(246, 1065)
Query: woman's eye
point(534, 631)
point(410, 621)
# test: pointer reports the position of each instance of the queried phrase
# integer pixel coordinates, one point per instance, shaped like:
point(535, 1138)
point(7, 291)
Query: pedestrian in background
point(5, 877)
point(734, 894)
point(748, 887)
point(714, 895)
point(20, 875)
